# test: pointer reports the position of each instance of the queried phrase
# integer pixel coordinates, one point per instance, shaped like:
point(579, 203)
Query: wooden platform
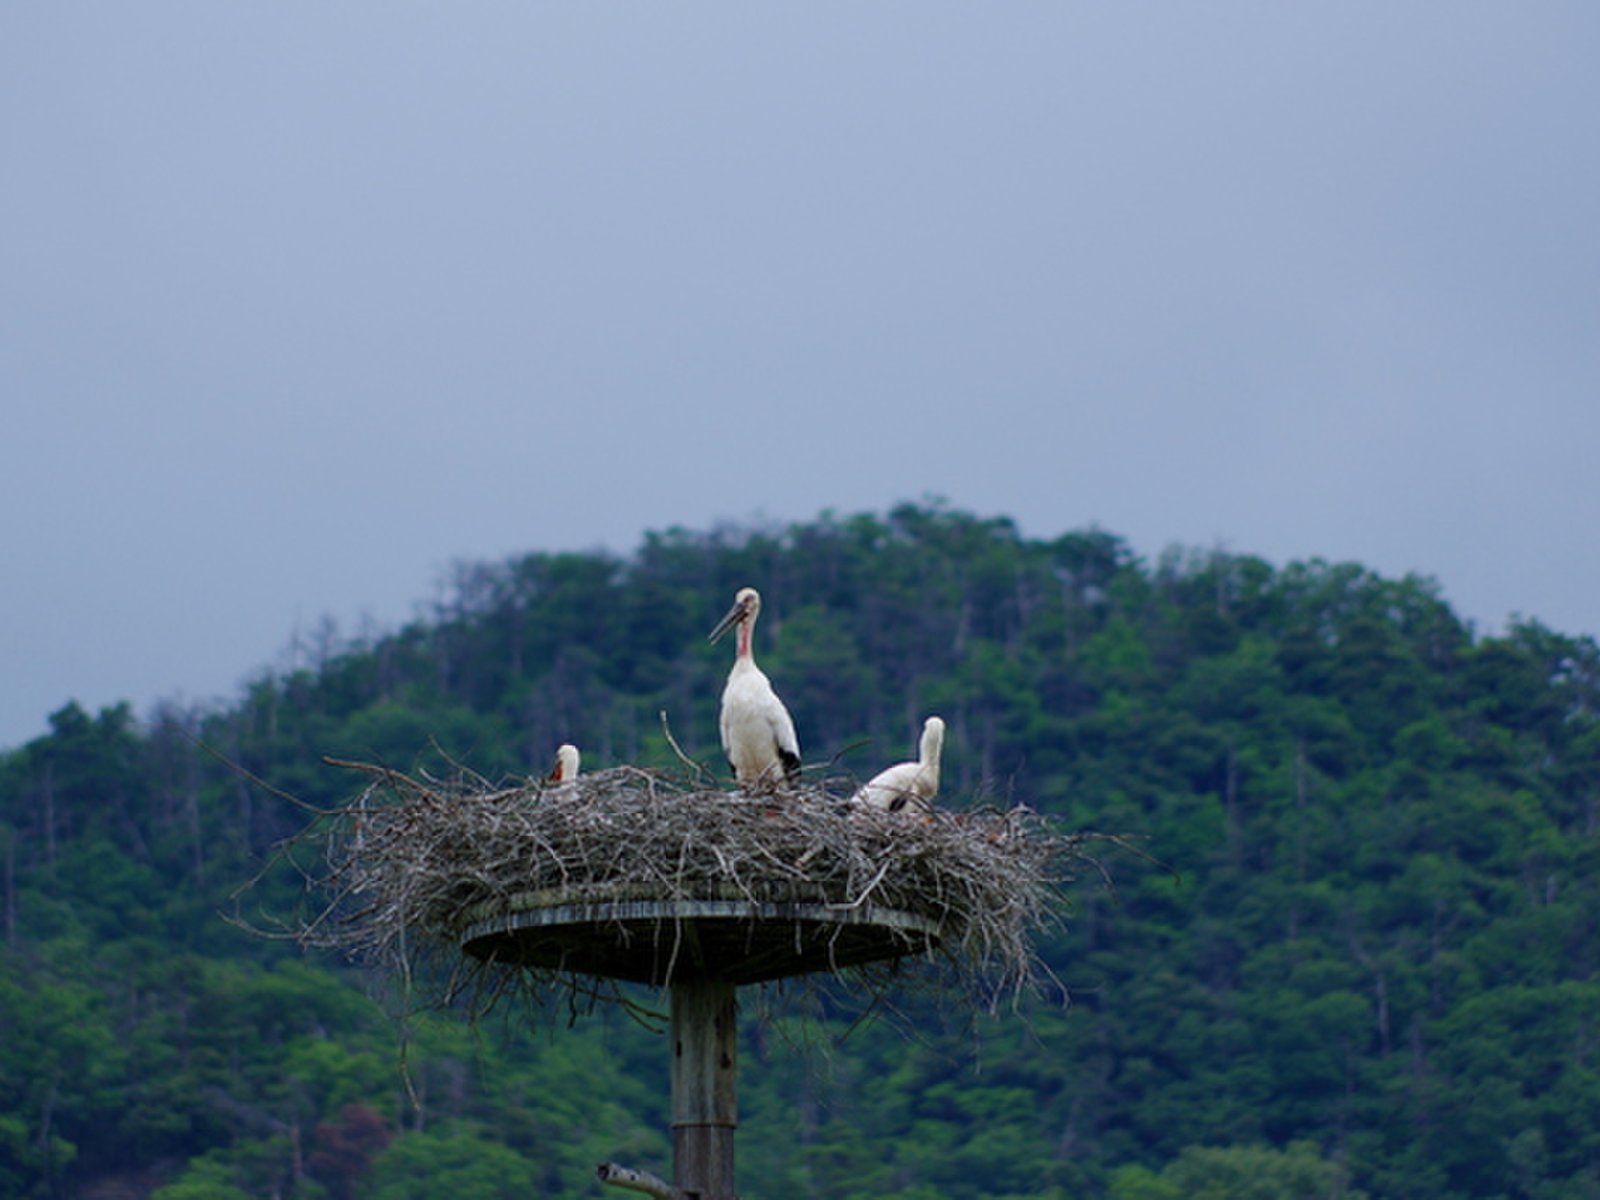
point(661, 940)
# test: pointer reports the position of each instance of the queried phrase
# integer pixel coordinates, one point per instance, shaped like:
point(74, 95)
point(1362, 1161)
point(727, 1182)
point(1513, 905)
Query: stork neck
point(746, 629)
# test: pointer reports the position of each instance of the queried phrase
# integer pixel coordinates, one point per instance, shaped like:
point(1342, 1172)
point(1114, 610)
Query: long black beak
point(735, 615)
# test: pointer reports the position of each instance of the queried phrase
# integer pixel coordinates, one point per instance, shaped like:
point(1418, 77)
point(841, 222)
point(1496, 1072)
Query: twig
point(252, 777)
point(866, 891)
point(666, 729)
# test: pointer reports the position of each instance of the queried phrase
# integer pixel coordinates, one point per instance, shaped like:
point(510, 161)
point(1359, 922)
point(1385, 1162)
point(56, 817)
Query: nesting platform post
point(703, 949)
point(705, 1107)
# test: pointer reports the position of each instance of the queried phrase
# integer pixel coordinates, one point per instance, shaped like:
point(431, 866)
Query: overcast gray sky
point(301, 303)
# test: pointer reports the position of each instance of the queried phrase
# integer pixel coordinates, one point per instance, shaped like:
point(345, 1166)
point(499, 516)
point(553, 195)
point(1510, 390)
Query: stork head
point(932, 739)
point(745, 607)
point(566, 767)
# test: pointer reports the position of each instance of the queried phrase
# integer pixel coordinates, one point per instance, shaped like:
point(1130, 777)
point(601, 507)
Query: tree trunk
point(50, 814)
point(11, 889)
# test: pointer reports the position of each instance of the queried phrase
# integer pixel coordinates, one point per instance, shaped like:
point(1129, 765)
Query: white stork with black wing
point(757, 732)
point(913, 784)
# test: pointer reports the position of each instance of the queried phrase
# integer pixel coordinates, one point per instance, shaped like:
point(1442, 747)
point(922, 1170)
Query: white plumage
point(909, 783)
point(566, 768)
point(757, 732)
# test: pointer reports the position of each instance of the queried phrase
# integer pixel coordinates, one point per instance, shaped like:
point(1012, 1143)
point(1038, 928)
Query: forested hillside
point(1371, 970)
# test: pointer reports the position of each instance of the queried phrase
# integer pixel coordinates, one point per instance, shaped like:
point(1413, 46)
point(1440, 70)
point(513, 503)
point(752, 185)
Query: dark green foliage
point(1371, 971)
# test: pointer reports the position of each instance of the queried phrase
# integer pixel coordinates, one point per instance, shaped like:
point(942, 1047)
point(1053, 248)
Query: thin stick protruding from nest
point(666, 729)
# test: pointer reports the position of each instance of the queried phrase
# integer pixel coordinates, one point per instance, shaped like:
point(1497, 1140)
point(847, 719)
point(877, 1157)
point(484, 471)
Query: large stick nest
point(411, 863)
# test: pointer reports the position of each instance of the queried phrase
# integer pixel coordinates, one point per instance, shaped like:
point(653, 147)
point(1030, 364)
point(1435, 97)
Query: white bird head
point(566, 767)
point(932, 739)
point(746, 605)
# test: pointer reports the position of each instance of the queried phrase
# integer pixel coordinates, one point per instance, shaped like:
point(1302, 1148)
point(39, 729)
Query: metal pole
point(705, 1110)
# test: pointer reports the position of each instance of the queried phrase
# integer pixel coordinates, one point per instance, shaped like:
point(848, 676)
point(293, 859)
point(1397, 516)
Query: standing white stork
point(909, 783)
point(757, 731)
point(566, 768)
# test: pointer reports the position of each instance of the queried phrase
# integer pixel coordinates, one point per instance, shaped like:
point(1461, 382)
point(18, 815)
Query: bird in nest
point(757, 731)
point(566, 764)
point(908, 785)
